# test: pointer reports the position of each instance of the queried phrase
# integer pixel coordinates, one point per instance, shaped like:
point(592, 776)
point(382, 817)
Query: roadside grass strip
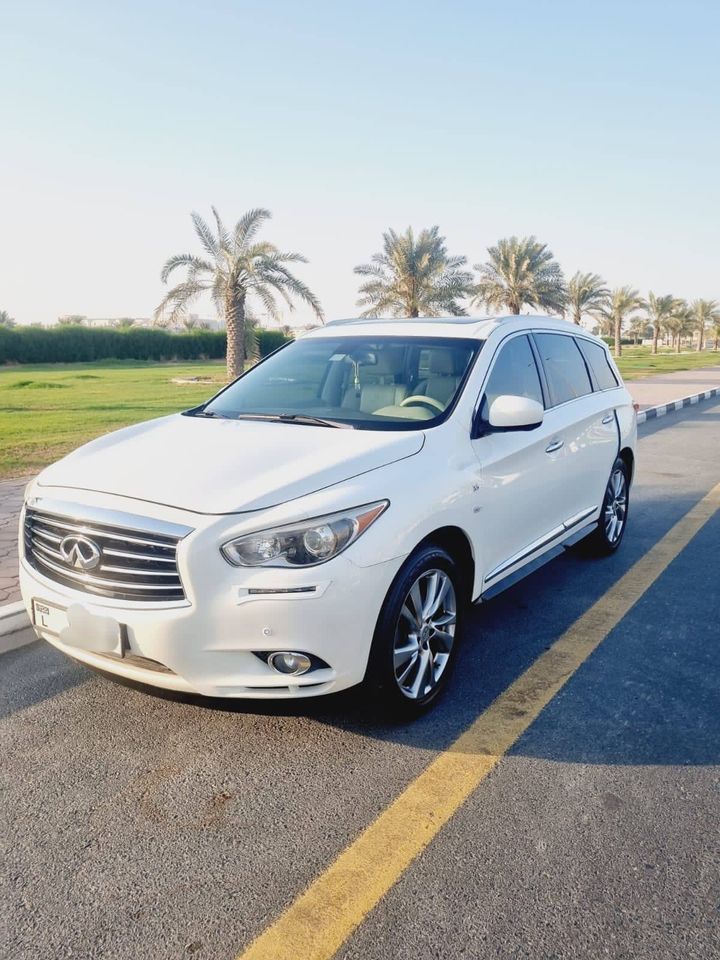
point(322, 918)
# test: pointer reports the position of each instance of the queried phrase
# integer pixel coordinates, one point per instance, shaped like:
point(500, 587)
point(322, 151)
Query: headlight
point(305, 543)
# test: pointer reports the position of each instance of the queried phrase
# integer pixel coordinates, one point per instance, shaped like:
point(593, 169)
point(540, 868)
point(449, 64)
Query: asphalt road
point(136, 826)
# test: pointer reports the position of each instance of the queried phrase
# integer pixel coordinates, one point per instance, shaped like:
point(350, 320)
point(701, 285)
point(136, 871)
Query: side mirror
point(515, 413)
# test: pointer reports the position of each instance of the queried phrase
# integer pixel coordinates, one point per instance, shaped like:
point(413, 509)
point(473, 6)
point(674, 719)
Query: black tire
point(607, 537)
point(381, 685)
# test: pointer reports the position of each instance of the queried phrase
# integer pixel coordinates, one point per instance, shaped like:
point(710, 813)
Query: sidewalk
point(665, 387)
point(650, 392)
point(11, 498)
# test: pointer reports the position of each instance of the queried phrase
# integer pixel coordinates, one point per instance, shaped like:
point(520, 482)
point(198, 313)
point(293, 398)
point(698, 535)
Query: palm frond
point(174, 305)
point(248, 225)
point(223, 236)
point(204, 232)
point(189, 260)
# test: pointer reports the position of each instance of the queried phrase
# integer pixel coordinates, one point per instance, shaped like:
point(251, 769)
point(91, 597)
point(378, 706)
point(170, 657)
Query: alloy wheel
point(424, 634)
point(615, 506)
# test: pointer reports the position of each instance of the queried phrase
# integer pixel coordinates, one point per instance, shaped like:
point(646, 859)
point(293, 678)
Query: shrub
point(74, 343)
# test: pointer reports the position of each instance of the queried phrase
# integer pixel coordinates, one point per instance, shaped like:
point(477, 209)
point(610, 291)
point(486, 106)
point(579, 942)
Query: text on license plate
point(48, 617)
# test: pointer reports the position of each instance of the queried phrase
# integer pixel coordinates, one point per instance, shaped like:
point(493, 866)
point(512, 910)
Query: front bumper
point(206, 644)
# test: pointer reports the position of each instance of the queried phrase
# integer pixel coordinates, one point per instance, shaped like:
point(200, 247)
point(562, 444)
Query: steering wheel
point(431, 402)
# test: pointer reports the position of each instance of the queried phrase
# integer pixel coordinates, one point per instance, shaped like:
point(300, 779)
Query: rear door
point(581, 417)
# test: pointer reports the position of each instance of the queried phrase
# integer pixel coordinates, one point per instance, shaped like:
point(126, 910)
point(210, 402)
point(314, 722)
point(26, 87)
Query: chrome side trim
point(526, 552)
point(579, 517)
point(114, 518)
point(536, 545)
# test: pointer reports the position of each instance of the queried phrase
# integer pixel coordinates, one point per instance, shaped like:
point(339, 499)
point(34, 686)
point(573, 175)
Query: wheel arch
point(628, 458)
point(457, 543)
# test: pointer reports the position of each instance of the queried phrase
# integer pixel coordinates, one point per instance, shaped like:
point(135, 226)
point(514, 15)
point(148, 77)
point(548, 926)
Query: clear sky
point(593, 125)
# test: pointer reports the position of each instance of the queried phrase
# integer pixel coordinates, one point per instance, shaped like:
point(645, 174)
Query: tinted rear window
point(599, 364)
point(564, 367)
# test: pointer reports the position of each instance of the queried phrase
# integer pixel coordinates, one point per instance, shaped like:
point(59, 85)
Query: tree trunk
point(414, 313)
point(235, 326)
point(701, 331)
point(618, 337)
point(716, 345)
point(576, 317)
point(677, 349)
point(656, 334)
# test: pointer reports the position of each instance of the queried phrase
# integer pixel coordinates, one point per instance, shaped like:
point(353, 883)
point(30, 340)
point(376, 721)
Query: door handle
point(555, 445)
point(609, 418)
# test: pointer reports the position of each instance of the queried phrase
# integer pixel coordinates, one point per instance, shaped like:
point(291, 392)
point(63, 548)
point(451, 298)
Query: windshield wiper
point(301, 418)
point(210, 414)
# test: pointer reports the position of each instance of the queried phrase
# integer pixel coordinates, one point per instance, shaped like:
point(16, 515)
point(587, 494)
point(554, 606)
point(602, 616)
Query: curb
point(13, 623)
point(652, 412)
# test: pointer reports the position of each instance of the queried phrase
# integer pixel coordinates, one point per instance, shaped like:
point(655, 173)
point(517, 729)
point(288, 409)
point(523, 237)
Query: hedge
point(71, 344)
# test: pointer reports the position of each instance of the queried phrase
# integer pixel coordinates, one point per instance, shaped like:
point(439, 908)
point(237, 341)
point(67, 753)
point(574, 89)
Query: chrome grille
point(134, 564)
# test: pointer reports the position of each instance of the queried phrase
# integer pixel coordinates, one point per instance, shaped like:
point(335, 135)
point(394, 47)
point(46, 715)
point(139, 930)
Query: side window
point(564, 367)
point(514, 372)
point(599, 364)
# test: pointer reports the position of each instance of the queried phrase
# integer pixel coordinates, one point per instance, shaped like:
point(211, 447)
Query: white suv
point(325, 519)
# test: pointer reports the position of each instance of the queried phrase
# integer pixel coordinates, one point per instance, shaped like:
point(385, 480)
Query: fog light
point(290, 663)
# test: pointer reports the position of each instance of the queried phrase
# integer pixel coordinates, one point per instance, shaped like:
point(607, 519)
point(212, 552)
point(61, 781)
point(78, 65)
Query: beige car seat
point(378, 384)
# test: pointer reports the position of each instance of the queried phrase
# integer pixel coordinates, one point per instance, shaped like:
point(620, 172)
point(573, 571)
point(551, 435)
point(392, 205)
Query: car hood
point(225, 466)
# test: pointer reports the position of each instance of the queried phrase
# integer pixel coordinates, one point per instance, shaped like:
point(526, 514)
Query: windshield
point(363, 382)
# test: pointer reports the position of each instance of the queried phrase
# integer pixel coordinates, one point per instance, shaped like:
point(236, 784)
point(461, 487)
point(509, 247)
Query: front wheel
point(607, 537)
point(417, 634)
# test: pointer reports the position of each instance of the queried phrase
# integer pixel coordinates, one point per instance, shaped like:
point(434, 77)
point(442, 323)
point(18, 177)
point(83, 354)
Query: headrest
point(389, 362)
point(442, 362)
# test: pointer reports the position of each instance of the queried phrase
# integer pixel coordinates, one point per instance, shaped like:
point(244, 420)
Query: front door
point(522, 498)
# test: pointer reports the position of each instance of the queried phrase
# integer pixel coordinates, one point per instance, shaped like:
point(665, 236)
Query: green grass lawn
point(49, 409)
point(638, 362)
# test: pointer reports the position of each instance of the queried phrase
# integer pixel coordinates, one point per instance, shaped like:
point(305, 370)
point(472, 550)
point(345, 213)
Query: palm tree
point(623, 301)
point(237, 267)
point(414, 277)
point(658, 310)
point(6, 320)
point(706, 313)
point(638, 328)
point(521, 272)
point(681, 322)
point(585, 292)
point(716, 334)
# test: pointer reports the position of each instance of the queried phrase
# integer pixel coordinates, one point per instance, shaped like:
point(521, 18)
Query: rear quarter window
point(599, 363)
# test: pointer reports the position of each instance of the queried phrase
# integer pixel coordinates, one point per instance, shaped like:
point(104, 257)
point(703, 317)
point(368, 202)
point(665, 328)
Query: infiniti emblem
point(80, 552)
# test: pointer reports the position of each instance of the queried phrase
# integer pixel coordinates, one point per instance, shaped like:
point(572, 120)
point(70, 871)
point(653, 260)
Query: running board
point(533, 565)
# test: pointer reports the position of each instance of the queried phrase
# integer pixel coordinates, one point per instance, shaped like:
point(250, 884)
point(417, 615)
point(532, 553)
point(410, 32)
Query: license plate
point(49, 618)
point(76, 626)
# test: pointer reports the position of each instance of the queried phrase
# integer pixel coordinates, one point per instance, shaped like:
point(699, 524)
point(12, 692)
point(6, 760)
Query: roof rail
point(350, 320)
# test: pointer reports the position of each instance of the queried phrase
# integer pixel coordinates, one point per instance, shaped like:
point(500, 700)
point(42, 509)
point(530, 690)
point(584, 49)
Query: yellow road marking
point(316, 925)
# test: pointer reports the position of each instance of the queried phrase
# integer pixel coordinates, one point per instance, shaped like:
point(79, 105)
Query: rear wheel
point(607, 537)
point(417, 634)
